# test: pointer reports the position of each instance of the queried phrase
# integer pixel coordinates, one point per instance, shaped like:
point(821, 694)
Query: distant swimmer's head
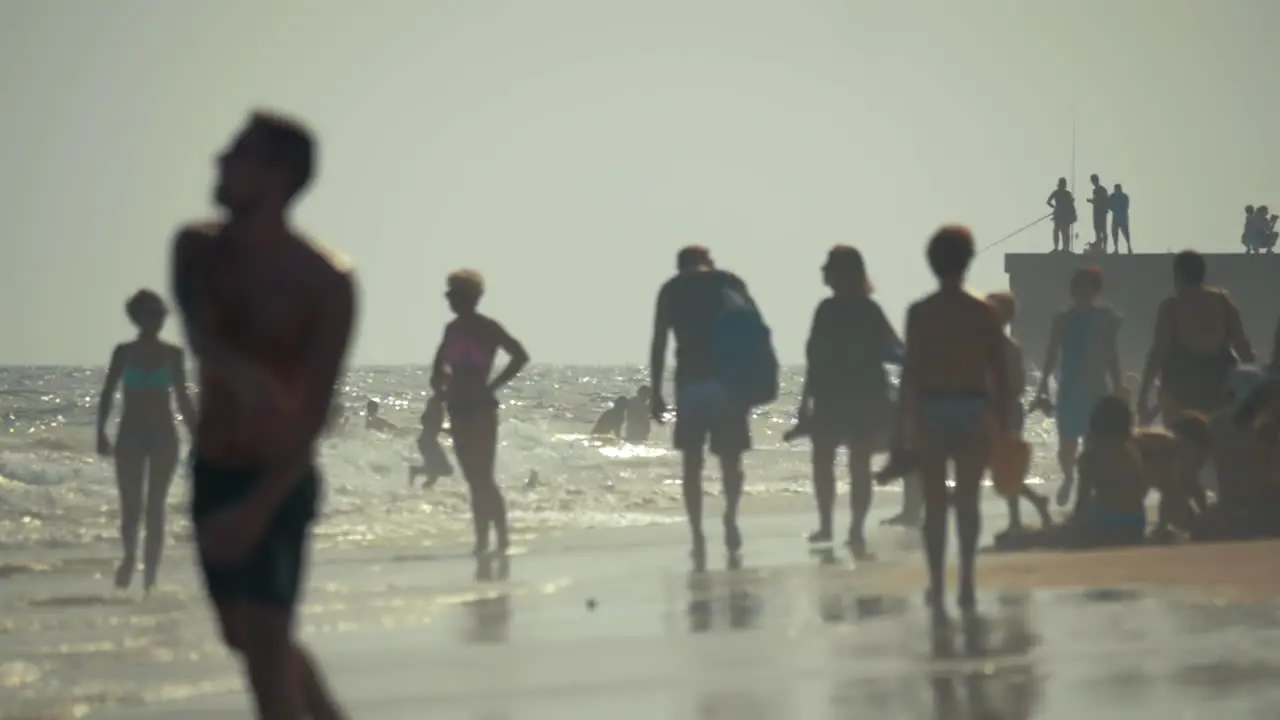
point(846, 271)
point(1111, 418)
point(1005, 304)
point(950, 252)
point(1188, 269)
point(147, 311)
point(270, 162)
point(694, 258)
point(1094, 179)
point(1062, 183)
point(1086, 284)
point(465, 288)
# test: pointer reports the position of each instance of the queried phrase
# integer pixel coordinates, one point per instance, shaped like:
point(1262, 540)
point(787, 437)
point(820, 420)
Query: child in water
point(435, 464)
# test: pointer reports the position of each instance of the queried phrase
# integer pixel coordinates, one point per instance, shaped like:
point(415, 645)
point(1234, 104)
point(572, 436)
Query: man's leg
point(1068, 449)
point(730, 438)
point(733, 478)
point(691, 489)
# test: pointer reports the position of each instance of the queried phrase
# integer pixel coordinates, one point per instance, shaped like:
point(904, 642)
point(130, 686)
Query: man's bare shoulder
point(197, 235)
point(331, 268)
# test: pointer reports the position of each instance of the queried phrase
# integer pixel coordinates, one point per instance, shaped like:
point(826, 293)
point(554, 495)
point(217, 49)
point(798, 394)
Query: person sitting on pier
point(1246, 235)
point(1101, 203)
point(1064, 215)
point(1198, 339)
point(1264, 233)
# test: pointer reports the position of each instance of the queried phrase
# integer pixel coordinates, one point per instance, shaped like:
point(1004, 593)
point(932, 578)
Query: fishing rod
point(1015, 233)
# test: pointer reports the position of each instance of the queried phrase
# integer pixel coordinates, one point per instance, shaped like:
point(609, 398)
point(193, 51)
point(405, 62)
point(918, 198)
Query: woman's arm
point(515, 351)
point(109, 385)
point(182, 393)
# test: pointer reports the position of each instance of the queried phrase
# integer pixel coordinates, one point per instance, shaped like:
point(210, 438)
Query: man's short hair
point(693, 256)
point(289, 144)
point(1189, 267)
point(950, 251)
point(1087, 279)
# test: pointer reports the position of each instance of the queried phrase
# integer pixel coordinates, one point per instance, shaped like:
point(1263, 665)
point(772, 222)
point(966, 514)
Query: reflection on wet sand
point(730, 596)
point(490, 610)
point(990, 673)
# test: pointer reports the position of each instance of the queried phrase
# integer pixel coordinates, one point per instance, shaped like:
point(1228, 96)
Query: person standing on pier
point(1101, 205)
point(1064, 215)
point(1120, 218)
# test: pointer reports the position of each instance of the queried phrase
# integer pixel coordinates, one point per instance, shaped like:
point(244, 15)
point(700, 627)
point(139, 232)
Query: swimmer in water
point(955, 397)
point(435, 464)
point(153, 374)
point(638, 422)
point(1198, 340)
point(269, 318)
point(375, 422)
point(466, 355)
point(1084, 355)
point(612, 420)
point(846, 399)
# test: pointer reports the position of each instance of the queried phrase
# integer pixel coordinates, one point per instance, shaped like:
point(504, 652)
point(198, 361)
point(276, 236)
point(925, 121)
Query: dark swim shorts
point(272, 574)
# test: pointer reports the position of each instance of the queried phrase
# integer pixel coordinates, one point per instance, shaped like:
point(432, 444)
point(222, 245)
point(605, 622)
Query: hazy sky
point(568, 148)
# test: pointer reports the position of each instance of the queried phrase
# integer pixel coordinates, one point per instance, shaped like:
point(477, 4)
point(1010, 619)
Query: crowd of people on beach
point(268, 316)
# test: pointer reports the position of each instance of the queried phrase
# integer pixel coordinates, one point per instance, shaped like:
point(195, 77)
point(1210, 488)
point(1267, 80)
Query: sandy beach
point(613, 622)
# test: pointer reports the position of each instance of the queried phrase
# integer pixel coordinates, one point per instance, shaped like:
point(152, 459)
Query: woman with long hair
point(151, 373)
point(846, 398)
point(465, 357)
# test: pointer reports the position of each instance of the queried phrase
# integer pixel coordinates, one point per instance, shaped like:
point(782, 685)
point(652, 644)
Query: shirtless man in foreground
point(269, 318)
point(956, 399)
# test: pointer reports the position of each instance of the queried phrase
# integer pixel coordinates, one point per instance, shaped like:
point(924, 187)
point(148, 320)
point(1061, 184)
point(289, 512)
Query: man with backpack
point(725, 366)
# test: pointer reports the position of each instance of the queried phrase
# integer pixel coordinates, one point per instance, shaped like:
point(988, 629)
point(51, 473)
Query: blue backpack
point(745, 362)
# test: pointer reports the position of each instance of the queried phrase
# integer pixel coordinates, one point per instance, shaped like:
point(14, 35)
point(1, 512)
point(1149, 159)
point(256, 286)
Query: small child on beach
point(435, 464)
point(1007, 307)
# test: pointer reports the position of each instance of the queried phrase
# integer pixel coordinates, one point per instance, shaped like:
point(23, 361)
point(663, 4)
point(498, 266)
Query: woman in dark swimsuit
point(465, 357)
point(152, 373)
point(846, 399)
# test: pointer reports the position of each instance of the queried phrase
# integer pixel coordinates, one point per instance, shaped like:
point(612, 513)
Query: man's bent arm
point(208, 351)
point(1159, 349)
point(326, 355)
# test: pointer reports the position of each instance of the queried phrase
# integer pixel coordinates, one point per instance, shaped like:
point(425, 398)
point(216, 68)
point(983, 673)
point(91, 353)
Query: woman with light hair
point(465, 357)
point(152, 374)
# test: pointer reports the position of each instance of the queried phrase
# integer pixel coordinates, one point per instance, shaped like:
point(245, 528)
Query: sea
point(55, 492)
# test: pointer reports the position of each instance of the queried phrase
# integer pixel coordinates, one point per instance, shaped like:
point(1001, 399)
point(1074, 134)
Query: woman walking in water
point(1083, 338)
point(465, 357)
point(151, 372)
point(846, 399)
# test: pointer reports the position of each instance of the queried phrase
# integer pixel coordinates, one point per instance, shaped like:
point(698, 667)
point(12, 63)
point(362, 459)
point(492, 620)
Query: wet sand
point(1181, 632)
